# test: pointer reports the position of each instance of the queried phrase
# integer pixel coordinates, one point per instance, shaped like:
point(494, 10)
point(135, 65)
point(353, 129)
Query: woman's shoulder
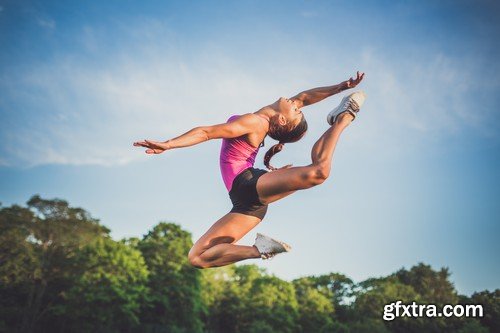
point(260, 123)
point(249, 118)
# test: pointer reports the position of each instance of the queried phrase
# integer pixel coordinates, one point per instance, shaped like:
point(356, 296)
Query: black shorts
point(244, 195)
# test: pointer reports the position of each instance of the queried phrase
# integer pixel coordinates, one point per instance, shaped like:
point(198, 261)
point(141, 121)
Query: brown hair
point(283, 134)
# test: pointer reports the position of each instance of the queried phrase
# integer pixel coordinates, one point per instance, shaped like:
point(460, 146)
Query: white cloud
point(88, 108)
point(82, 112)
point(46, 23)
point(432, 96)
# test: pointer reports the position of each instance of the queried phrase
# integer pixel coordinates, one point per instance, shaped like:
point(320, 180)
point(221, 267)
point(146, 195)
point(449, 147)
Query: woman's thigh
point(278, 184)
point(229, 229)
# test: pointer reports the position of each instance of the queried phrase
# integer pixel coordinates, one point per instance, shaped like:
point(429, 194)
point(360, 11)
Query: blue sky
point(416, 178)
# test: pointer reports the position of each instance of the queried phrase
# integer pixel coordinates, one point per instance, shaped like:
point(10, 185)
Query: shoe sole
point(285, 245)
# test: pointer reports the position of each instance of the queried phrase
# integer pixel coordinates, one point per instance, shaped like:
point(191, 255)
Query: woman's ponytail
point(283, 134)
point(270, 153)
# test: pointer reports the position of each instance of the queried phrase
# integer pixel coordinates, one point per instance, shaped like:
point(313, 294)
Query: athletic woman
point(251, 190)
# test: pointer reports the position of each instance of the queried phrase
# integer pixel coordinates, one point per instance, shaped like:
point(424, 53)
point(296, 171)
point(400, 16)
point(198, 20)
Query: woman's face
point(289, 110)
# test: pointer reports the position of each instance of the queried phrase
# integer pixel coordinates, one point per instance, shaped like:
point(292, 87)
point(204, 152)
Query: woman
point(252, 190)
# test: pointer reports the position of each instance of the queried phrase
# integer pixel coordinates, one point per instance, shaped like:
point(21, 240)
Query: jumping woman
point(251, 190)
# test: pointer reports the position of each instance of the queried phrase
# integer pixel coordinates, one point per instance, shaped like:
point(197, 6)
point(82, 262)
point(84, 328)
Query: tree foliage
point(315, 306)
point(173, 303)
point(60, 271)
point(109, 293)
point(39, 246)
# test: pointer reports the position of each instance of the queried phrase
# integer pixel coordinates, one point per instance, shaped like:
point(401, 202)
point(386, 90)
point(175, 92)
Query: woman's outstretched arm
point(315, 95)
point(241, 126)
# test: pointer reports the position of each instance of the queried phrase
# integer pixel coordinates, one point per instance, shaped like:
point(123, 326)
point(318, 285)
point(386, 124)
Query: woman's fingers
point(154, 147)
point(360, 77)
point(150, 144)
point(144, 144)
point(353, 82)
point(156, 144)
point(154, 151)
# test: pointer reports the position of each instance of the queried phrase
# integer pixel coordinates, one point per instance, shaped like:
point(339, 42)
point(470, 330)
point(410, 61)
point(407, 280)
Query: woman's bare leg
point(216, 247)
point(278, 184)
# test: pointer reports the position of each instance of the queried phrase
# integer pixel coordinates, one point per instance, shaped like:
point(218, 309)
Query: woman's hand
point(351, 83)
point(154, 147)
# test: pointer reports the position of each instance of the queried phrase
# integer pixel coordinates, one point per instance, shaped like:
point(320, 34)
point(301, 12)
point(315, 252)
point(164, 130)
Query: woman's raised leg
point(216, 247)
point(277, 184)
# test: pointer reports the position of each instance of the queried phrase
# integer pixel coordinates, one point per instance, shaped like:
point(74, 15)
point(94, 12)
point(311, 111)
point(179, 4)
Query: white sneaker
point(269, 247)
point(351, 103)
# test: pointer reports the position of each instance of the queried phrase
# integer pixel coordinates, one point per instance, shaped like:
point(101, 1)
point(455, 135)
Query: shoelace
point(352, 106)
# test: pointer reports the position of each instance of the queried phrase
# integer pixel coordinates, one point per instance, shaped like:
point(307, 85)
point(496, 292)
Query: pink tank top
point(236, 155)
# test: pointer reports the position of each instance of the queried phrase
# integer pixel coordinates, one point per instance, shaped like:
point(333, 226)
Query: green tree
point(221, 299)
point(432, 286)
point(339, 289)
point(273, 302)
point(491, 307)
point(371, 297)
point(17, 264)
point(226, 292)
point(174, 298)
point(474, 326)
point(49, 234)
point(336, 286)
point(243, 298)
point(375, 293)
point(368, 326)
point(315, 308)
point(60, 271)
point(107, 296)
point(420, 284)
